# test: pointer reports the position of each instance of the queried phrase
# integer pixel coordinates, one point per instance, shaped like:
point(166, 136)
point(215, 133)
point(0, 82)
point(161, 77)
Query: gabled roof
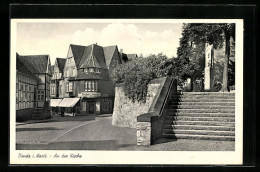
point(36, 63)
point(131, 56)
point(86, 54)
point(98, 53)
point(109, 52)
point(20, 67)
point(77, 51)
point(90, 62)
point(61, 63)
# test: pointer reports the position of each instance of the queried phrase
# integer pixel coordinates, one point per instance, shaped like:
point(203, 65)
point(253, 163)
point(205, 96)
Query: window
point(60, 89)
point(70, 86)
point(91, 70)
point(97, 70)
point(25, 92)
point(52, 90)
point(67, 87)
point(41, 95)
point(86, 70)
point(91, 86)
point(17, 92)
point(84, 107)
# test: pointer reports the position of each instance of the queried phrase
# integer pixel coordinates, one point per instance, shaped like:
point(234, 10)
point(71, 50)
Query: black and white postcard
point(126, 91)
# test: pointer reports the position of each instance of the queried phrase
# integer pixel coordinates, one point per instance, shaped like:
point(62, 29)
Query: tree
point(190, 57)
point(215, 34)
point(136, 74)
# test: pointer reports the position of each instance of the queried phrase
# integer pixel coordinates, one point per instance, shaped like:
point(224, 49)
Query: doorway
point(91, 107)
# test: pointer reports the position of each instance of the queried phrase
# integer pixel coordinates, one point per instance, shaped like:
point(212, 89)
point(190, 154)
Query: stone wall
point(149, 125)
point(125, 111)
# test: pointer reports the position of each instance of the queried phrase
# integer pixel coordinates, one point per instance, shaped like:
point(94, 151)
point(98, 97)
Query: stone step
point(198, 132)
point(191, 118)
point(198, 127)
point(198, 137)
point(202, 110)
point(200, 123)
point(204, 103)
point(202, 114)
point(204, 93)
point(200, 107)
point(191, 99)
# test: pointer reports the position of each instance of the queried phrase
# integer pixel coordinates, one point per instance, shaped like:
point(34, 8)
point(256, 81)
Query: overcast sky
point(139, 38)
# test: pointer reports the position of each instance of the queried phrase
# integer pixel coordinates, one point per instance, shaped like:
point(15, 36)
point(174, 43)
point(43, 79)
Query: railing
point(166, 98)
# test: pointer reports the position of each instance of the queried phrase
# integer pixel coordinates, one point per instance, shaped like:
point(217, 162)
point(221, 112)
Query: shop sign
point(89, 94)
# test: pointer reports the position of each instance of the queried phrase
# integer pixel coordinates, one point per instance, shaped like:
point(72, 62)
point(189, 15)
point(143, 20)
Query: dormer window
point(91, 70)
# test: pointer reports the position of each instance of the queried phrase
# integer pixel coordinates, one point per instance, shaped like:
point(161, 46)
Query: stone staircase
point(37, 114)
point(201, 115)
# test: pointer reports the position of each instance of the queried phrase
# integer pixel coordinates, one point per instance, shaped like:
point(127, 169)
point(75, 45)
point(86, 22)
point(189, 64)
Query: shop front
point(69, 107)
point(53, 104)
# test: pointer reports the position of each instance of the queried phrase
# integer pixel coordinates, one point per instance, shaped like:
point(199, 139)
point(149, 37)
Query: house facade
point(57, 75)
point(32, 87)
point(87, 86)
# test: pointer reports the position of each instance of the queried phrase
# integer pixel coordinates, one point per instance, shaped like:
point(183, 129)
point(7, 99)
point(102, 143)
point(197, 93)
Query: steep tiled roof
point(36, 63)
point(109, 52)
point(98, 53)
point(20, 67)
point(91, 62)
point(61, 63)
point(131, 56)
point(86, 54)
point(77, 51)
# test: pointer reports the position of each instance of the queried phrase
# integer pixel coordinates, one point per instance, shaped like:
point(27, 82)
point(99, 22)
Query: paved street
point(97, 133)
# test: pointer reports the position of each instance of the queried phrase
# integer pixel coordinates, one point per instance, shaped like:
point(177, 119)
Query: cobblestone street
point(97, 133)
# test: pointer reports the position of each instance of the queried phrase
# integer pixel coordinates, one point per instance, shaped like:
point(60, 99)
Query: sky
point(134, 38)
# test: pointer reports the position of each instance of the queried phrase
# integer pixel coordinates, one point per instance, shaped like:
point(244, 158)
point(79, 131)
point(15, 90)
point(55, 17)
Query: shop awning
point(55, 102)
point(68, 102)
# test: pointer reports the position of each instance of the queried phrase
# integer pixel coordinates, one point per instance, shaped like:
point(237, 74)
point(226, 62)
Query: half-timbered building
point(32, 87)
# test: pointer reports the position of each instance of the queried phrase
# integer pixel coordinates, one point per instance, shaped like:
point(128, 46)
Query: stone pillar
point(143, 133)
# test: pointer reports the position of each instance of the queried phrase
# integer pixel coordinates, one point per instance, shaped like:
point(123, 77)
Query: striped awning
point(68, 102)
point(55, 102)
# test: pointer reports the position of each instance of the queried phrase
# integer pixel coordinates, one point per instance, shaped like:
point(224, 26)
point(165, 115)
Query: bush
point(136, 74)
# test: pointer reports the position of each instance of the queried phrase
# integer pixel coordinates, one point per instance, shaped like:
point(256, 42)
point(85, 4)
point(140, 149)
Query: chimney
point(121, 51)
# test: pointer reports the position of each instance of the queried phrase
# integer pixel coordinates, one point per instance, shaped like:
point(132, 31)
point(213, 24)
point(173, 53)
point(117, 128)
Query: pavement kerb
point(32, 122)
